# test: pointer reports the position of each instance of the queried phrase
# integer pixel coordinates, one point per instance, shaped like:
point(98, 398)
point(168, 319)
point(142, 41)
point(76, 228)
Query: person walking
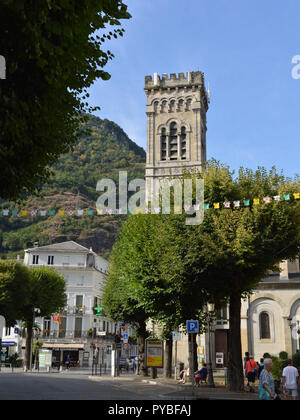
point(260, 367)
point(290, 381)
point(266, 390)
point(251, 372)
point(68, 361)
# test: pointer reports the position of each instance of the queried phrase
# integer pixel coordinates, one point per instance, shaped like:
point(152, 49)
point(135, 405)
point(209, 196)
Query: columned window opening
point(163, 142)
point(183, 143)
point(173, 149)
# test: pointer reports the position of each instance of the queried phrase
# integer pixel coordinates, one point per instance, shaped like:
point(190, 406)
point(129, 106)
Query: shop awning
point(63, 346)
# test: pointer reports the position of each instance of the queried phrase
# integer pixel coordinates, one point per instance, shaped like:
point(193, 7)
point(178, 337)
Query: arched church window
point(173, 141)
point(188, 104)
point(163, 106)
point(172, 106)
point(163, 144)
point(264, 325)
point(180, 105)
point(183, 143)
point(156, 106)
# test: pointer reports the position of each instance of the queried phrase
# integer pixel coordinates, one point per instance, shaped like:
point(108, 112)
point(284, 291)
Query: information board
point(154, 353)
point(45, 358)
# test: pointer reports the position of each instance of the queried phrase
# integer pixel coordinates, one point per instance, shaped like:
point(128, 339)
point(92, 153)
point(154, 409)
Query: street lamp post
point(210, 378)
point(36, 312)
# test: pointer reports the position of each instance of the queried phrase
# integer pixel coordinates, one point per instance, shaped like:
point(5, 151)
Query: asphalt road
point(39, 386)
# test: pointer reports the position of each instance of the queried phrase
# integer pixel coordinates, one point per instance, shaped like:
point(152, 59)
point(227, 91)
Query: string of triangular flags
point(138, 210)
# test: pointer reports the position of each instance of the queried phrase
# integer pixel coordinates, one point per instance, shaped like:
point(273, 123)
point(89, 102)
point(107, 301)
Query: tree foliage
point(54, 52)
point(14, 285)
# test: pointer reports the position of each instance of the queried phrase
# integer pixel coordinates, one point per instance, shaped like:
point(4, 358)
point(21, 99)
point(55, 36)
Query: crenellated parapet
point(173, 83)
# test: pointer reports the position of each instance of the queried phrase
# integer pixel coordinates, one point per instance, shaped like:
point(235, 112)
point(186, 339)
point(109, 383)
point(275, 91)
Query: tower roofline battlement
point(173, 80)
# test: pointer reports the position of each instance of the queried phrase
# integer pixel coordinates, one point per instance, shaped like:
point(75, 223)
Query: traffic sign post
point(192, 327)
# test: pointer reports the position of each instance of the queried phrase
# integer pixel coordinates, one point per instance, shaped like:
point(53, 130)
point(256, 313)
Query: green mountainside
point(101, 153)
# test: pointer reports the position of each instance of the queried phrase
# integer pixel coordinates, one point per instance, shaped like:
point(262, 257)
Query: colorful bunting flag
point(267, 200)
point(276, 197)
point(52, 212)
point(256, 201)
point(43, 213)
point(216, 205)
point(23, 212)
point(80, 212)
point(197, 207)
point(227, 204)
point(157, 210)
point(61, 212)
point(246, 203)
point(237, 203)
point(90, 212)
point(5, 212)
point(296, 196)
point(206, 206)
point(287, 197)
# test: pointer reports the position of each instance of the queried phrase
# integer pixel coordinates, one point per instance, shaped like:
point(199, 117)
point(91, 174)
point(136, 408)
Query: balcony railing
point(71, 310)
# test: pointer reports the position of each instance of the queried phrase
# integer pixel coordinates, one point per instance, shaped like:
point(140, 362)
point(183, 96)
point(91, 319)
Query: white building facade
point(83, 329)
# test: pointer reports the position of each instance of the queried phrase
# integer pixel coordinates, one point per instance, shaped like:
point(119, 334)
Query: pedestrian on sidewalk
point(260, 367)
point(266, 382)
point(251, 372)
point(290, 381)
point(68, 362)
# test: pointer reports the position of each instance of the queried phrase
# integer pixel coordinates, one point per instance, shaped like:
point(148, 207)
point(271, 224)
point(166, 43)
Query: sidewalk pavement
point(184, 391)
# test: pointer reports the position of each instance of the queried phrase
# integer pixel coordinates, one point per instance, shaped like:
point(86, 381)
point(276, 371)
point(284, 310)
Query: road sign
point(176, 336)
point(118, 346)
point(192, 326)
point(125, 338)
point(125, 346)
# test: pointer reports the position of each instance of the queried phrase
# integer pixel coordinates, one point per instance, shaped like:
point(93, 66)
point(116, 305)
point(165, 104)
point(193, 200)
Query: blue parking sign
point(192, 326)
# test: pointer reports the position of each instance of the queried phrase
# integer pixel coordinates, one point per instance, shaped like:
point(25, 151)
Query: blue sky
point(245, 49)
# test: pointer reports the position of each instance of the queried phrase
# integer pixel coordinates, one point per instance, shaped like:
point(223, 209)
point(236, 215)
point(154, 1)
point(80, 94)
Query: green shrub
point(283, 355)
point(296, 360)
point(267, 356)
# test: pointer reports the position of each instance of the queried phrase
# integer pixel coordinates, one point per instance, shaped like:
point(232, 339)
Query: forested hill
point(101, 153)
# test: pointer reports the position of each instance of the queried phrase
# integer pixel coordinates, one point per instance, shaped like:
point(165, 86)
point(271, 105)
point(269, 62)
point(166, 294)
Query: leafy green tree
point(235, 248)
point(47, 293)
point(54, 52)
point(14, 284)
point(142, 280)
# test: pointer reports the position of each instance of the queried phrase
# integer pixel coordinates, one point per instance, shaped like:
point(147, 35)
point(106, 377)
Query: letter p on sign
point(192, 326)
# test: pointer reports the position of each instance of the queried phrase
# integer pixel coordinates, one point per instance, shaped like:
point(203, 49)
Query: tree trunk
point(192, 342)
point(235, 364)
point(142, 369)
point(168, 357)
point(28, 349)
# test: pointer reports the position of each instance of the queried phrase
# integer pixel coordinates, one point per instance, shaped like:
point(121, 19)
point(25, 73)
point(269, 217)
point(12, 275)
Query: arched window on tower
point(264, 326)
point(163, 106)
point(188, 104)
point(173, 148)
point(183, 143)
point(180, 105)
point(163, 144)
point(172, 106)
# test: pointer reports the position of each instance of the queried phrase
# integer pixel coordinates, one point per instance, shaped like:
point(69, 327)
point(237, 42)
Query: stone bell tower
point(176, 125)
